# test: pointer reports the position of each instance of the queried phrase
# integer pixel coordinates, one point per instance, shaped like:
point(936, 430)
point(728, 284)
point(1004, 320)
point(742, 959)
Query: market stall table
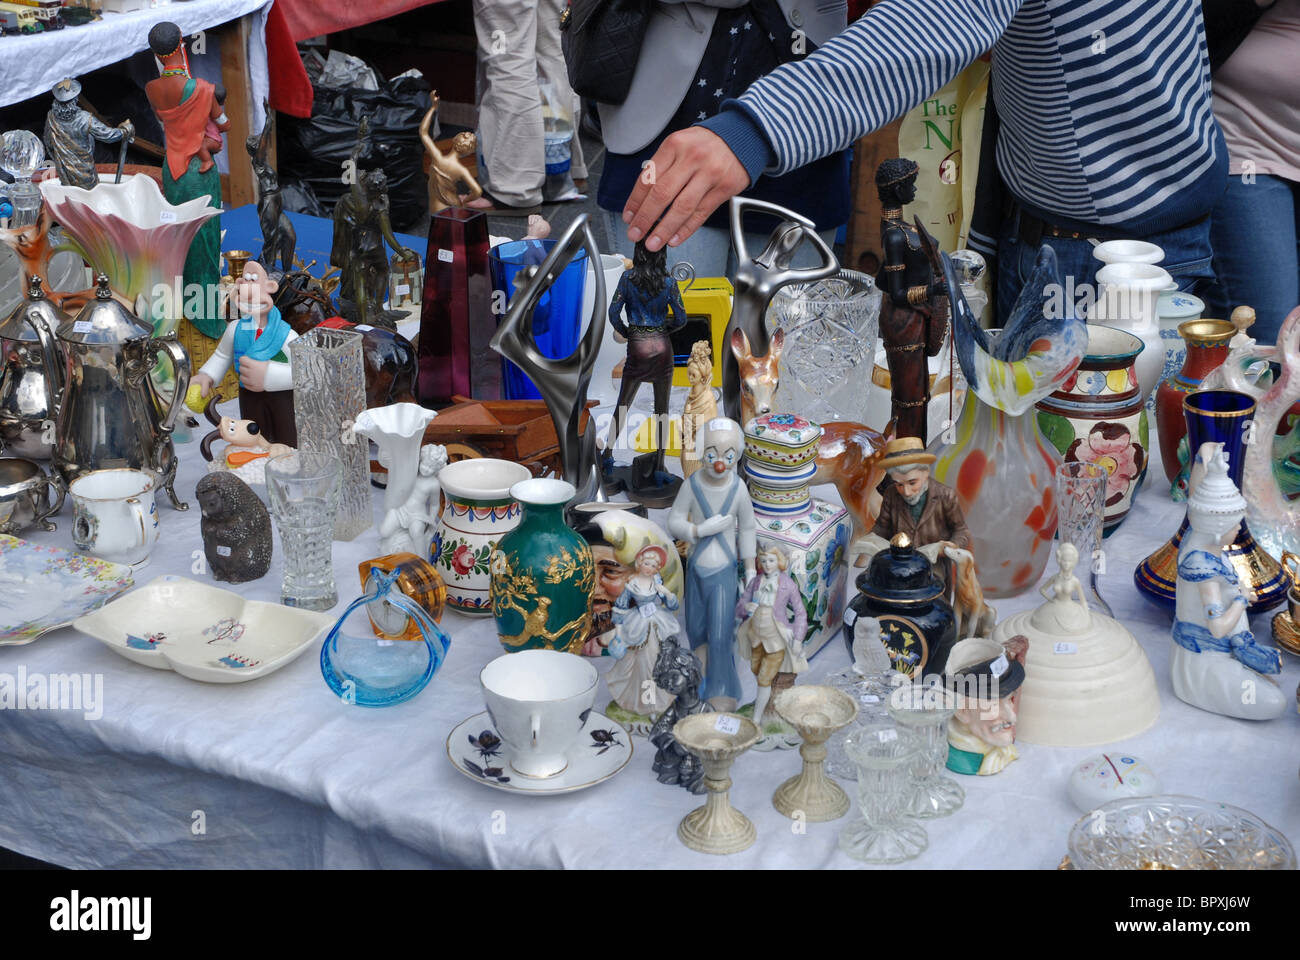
point(280, 773)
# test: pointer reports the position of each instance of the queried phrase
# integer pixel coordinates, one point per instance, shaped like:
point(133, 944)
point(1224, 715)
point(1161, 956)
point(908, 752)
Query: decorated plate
point(602, 749)
point(44, 588)
point(204, 632)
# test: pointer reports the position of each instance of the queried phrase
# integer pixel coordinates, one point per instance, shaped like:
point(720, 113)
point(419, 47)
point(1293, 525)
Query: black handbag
point(602, 43)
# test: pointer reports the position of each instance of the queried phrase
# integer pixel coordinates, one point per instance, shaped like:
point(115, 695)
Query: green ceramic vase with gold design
point(542, 574)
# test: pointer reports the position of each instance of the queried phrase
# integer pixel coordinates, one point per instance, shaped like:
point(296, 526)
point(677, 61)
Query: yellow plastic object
point(643, 439)
point(194, 398)
point(708, 298)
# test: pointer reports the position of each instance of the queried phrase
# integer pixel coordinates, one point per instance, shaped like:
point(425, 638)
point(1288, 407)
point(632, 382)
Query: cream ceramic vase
point(1127, 294)
point(478, 512)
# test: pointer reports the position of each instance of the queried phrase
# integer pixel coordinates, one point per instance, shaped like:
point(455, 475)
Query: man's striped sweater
point(1105, 105)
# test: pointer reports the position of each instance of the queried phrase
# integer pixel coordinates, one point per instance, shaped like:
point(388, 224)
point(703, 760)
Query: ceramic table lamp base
point(816, 712)
point(717, 739)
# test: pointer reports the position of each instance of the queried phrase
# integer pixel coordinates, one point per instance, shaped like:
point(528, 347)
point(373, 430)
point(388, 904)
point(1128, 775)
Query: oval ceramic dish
point(203, 632)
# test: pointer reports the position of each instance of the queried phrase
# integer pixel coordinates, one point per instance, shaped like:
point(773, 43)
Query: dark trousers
point(273, 412)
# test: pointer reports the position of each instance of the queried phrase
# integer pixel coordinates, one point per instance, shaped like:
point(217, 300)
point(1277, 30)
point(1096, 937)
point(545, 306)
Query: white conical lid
point(1212, 490)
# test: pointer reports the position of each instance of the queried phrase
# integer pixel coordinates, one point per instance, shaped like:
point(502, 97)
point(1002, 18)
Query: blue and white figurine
point(713, 513)
point(1215, 663)
point(642, 620)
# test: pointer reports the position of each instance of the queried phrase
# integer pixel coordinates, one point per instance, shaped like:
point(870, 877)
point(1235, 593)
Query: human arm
point(215, 367)
point(679, 516)
point(106, 134)
point(745, 605)
point(616, 308)
point(958, 532)
point(676, 306)
point(1222, 621)
point(386, 227)
point(746, 528)
point(669, 598)
point(799, 628)
point(884, 64)
point(268, 375)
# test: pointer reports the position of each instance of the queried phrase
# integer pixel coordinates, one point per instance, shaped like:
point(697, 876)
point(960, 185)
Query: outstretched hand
point(691, 174)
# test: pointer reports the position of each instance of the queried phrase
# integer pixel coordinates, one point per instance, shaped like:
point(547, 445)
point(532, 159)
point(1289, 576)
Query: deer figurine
point(850, 452)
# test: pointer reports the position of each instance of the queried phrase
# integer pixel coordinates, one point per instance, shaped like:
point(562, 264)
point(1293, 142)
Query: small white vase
point(398, 431)
point(1128, 251)
point(1127, 294)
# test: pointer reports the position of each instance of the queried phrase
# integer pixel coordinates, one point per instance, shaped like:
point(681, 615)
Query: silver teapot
point(32, 376)
point(111, 413)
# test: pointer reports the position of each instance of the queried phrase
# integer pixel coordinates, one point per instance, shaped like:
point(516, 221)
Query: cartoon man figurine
point(714, 514)
point(916, 504)
point(258, 345)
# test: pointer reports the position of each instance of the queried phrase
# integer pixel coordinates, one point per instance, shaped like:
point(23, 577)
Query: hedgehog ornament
point(236, 528)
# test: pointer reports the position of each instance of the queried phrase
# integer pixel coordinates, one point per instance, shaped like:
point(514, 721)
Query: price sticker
point(403, 289)
point(647, 610)
point(850, 617)
point(1065, 647)
point(81, 326)
point(868, 698)
point(384, 643)
point(999, 666)
point(720, 423)
point(446, 256)
point(166, 216)
point(1135, 825)
point(223, 550)
point(726, 724)
point(363, 327)
point(886, 736)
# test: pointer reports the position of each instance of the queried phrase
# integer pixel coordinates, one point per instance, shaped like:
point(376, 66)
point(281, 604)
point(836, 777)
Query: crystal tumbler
point(1080, 510)
point(921, 714)
point(304, 492)
point(883, 833)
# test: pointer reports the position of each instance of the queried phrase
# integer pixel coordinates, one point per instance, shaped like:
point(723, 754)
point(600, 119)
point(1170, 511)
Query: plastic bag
point(315, 150)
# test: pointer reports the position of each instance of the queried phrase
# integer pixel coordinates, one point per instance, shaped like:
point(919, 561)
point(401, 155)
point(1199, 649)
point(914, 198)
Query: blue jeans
point(1187, 258)
point(1256, 233)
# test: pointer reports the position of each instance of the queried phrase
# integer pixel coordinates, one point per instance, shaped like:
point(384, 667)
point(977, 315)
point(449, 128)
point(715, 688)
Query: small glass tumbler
point(921, 713)
point(871, 693)
point(304, 492)
point(1080, 511)
point(883, 833)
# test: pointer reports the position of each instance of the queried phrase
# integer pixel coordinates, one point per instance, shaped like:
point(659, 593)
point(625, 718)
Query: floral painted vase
point(1206, 347)
point(780, 460)
point(479, 511)
point(543, 574)
point(1099, 416)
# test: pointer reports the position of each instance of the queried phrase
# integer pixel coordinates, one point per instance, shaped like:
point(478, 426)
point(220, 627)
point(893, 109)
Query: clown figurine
point(773, 624)
point(713, 513)
point(258, 346)
point(641, 621)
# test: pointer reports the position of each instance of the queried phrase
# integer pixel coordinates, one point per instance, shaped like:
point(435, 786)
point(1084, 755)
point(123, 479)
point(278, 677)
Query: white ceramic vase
point(1128, 251)
point(398, 431)
point(1127, 294)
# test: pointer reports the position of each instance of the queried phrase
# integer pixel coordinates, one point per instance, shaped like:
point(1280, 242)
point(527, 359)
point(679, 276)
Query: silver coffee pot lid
point(104, 320)
point(35, 308)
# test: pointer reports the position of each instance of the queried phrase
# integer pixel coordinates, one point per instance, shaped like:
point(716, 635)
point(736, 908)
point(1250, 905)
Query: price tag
point(81, 326)
point(446, 256)
point(363, 327)
point(885, 736)
point(850, 617)
point(647, 610)
point(166, 216)
point(726, 724)
point(719, 423)
point(868, 698)
point(1064, 647)
point(223, 550)
point(999, 666)
point(1135, 825)
point(384, 643)
point(403, 289)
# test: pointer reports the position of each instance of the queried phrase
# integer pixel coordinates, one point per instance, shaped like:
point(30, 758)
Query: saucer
point(602, 749)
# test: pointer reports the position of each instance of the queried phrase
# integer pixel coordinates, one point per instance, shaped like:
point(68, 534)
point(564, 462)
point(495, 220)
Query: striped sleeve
point(886, 63)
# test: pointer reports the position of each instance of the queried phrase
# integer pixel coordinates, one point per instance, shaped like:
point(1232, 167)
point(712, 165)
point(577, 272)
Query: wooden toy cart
point(518, 430)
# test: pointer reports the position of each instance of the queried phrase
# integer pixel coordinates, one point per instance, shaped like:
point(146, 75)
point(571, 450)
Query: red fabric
point(290, 89)
point(311, 18)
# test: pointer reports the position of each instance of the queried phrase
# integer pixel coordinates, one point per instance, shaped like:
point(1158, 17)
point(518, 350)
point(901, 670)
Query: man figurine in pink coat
point(772, 628)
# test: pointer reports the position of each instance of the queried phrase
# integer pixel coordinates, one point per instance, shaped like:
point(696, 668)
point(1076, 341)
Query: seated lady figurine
point(1066, 609)
point(773, 624)
point(641, 621)
point(1215, 663)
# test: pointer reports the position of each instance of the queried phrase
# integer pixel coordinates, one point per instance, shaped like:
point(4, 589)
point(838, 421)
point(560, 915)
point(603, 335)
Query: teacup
point(115, 515)
point(538, 701)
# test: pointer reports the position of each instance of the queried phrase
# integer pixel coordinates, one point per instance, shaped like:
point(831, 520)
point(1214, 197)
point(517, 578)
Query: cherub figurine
point(714, 514)
point(986, 678)
point(677, 672)
point(446, 171)
point(701, 404)
point(1215, 663)
point(1066, 610)
point(647, 294)
point(642, 620)
point(773, 624)
point(411, 525)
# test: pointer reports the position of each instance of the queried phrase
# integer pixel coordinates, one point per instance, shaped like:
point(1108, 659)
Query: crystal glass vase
point(871, 694)
point(304, 492)
point(883, 833)
point(329, 393)
point(1080, 508)
point(830, 345)
point(921, 715)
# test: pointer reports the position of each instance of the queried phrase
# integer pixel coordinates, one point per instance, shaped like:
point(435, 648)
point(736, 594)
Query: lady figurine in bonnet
point(642, 620)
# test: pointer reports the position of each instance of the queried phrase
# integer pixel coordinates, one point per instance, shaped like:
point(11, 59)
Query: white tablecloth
point(31, 64)
point(286, 775)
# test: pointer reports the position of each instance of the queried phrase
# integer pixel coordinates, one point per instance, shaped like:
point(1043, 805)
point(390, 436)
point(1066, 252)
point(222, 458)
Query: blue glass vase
point(361, 662)
point(557, 318)
point(1217, 416)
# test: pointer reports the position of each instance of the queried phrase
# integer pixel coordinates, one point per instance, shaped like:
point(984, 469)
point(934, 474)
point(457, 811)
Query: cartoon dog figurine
point(246, 445)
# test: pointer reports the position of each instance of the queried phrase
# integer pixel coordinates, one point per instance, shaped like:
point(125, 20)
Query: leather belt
point(1033, 229)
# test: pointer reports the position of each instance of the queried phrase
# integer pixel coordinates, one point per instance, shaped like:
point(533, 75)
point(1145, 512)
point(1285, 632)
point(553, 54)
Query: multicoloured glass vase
point(780, 460)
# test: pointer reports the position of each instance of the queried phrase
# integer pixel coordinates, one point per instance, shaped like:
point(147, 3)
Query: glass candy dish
point(1176, 833)
point(363, 664)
